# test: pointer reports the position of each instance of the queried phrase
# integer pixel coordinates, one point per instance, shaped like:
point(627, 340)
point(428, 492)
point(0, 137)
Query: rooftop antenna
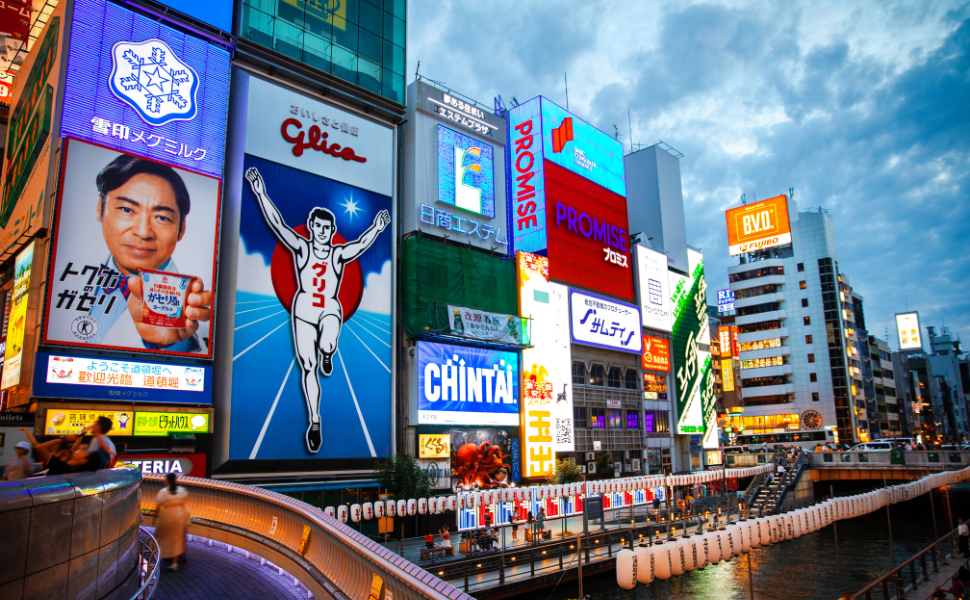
point(629, 120)
point(416, 70)
point(791, 193)
point(617, 134)
point(744, 200)
point(566, 81)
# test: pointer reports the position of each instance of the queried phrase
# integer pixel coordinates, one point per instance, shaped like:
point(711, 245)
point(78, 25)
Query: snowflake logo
point(150, 78)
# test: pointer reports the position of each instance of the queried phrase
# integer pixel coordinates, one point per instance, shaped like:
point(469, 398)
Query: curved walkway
point(215, 573)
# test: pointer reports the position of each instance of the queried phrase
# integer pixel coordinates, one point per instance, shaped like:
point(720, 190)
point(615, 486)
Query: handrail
point(896, 577)
point(800, 465)
point(337, 558)
point(149, 565)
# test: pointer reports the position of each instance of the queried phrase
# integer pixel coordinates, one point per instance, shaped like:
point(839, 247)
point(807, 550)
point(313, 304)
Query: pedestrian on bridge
point(515, 526)
point(172, 522)
point(960, 583)
point(963, 538)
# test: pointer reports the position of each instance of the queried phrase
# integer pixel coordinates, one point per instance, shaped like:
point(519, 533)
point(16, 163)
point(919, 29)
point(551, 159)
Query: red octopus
point(476, 462)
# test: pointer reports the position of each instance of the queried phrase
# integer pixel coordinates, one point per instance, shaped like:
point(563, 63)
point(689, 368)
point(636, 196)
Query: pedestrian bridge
point(901, 465)
point(332, 560)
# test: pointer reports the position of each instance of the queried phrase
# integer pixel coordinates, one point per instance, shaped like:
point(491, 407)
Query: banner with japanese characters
point(487, 326)
point(125, 224)
point(547, 397)
point(605, 323)
point(144, 88)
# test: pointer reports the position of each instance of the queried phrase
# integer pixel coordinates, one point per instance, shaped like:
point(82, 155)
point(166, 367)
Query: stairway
point(771, 495)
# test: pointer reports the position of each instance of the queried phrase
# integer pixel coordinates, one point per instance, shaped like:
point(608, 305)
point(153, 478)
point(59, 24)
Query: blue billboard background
point(269, 412)
point(217, 13)
point(598, 149)
point(459, 410)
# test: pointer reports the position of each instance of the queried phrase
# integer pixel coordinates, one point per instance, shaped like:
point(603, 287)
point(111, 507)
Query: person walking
point(515, 526)
point(445, 537)
point(532, 527)
point(541, 521)
point(964, 538)
point(656, 506)
point(172, 522)
point(21, 467)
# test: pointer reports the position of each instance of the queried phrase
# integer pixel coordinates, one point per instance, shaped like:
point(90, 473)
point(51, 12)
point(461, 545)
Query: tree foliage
point(565, 471)
point(402, 477)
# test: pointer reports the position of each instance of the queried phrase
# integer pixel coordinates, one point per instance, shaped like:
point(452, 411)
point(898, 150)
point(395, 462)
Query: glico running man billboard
point(694, 379)
point(311, 354)
point(568, 198)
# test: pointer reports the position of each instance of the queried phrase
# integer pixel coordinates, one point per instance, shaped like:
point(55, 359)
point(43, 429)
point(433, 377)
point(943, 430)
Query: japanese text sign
point(17, 322)
point(70, 421)
point(907, 326)
point(487, 326)
point(148, 423)
point(654, 289)
point(434, 445)
point(656, 354)
point(142, 87)
point(597, 321)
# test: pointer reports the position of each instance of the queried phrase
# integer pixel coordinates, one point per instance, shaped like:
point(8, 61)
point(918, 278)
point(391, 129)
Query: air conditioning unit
point(617, 465)
point(626, 467)
point(591, 468)
point(582, 469)
point(590, 456)
point(635, 463)
point(626, 455)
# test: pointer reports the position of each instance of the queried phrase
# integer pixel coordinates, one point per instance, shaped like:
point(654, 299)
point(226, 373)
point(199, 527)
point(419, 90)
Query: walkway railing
point(910, 574)
point(341, 561)
point(149, 565)
point(913, 459)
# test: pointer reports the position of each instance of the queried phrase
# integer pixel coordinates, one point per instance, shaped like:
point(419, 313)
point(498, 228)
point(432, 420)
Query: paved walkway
point(215, 573)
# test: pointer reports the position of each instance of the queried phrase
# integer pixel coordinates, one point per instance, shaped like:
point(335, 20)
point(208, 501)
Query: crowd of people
point(63, 455)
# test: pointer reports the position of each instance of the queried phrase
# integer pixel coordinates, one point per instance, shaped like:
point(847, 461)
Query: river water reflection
point(804, 567)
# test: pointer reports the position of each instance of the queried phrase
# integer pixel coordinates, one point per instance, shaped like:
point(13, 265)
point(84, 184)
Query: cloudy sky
point(862, 108)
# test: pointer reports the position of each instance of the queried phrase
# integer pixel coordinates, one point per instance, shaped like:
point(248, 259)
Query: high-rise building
point(890, 415)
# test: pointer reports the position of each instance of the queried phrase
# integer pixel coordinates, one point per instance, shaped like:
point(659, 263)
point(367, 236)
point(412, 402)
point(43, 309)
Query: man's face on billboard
point(321, 230)
point(140, 223)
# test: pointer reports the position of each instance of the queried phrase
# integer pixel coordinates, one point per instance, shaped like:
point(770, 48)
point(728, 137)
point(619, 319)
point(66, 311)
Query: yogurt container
point(163, 298)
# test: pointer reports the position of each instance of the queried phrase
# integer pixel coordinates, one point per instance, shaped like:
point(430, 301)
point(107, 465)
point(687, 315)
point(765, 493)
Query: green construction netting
point(434, 275)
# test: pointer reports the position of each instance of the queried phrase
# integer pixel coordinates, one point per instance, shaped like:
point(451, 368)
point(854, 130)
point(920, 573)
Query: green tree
point(402, 477)
point(565, 471)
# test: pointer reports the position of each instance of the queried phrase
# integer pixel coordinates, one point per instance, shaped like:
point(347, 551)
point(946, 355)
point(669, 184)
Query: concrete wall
point(70, 537)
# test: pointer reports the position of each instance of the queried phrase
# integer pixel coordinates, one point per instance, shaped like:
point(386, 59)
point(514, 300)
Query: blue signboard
point(466, 172)
point(467, 386)
point(122, 380)
point(138, 86)
point(725, 300)
point(217, 13)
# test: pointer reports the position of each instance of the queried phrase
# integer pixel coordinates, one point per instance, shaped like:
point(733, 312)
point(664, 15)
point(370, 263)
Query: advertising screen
point(162, 464)
point(483, 458)
point(27, 151)
point(725, 300)
point(546, 376)
point(70, 421)
point(466, 172)
point(467, 386)
point(604, 323)
point(17, 320)
point(654, 289)
point(99, 378)
point(120, 215)
point(693, 381)
point(156, 424)
point(724, 340)
point(312, 344)
point(907, 327)
point(656, 354)
point(144, 88)
point(758, 225)
point(727, 374)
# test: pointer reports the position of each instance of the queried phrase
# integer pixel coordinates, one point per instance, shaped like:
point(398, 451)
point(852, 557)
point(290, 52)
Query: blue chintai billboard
point(467, 386)
point(311, 352)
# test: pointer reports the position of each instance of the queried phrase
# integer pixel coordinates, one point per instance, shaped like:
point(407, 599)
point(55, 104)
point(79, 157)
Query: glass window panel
point(344, 64)
point(316, 52)
point(350, 14)
point(266, 6)
point(579, 373)
point(371, 18)
point(346, 39)
point(398, 7)
point(596, 375)
point(369, 74)
point(291, 11)
point(393, 87)
point(369, 47)
point(319, 18)
point(257, 26)
point(289, 40)
point(394, 30)
point(613, 377)
point(393, 58)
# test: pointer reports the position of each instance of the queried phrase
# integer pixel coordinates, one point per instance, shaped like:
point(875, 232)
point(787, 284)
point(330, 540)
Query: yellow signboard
point(434, 445)
point(164, 423)
point(69, 421)
point(727, 374)
point(17, 328)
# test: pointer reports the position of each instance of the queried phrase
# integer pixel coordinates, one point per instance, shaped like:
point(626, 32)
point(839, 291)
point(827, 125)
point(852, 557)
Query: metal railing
point(341, 561)
point(910, 574)
point(925, 459)
point(149, 565)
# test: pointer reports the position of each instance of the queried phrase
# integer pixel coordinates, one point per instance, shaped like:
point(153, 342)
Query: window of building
point(596, 376)
point(633, 419)
point(804, 302)
point(801, 267)
point(656, 421)
point(756, 291)
point(807, 320)
point(760, 345)
point(613, 378)
point(813, 377)
point(808, 339)
point(802, 285)
point(814, 396)
point(579, 373)
point(597, 418)
point(616, 418)
point(758, 363)
point(757, 309)
point(763, 272)
point(579, 417)
point(762, 326)
point(631, 379)
point(811, 358)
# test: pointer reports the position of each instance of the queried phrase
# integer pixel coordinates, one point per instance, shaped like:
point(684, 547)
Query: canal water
point(805, 567)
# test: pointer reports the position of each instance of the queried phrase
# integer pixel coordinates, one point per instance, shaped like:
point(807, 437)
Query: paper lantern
point(391, 507)
point(329, 511)
point(422, 506)
point(355, 513)
point(368, 511)
point(379, 509)
point(342, 513)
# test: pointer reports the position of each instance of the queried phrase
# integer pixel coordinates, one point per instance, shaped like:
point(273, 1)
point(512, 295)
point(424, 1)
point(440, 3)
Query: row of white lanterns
point(676, 557)
point(466, 500)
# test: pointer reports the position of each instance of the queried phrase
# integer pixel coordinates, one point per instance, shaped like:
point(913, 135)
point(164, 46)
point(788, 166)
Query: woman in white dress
point(172, 522)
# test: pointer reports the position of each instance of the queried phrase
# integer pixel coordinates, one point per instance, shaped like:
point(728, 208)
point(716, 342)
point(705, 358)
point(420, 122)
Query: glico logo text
point(317, 141)
point(591, 227)
point(525, 206)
